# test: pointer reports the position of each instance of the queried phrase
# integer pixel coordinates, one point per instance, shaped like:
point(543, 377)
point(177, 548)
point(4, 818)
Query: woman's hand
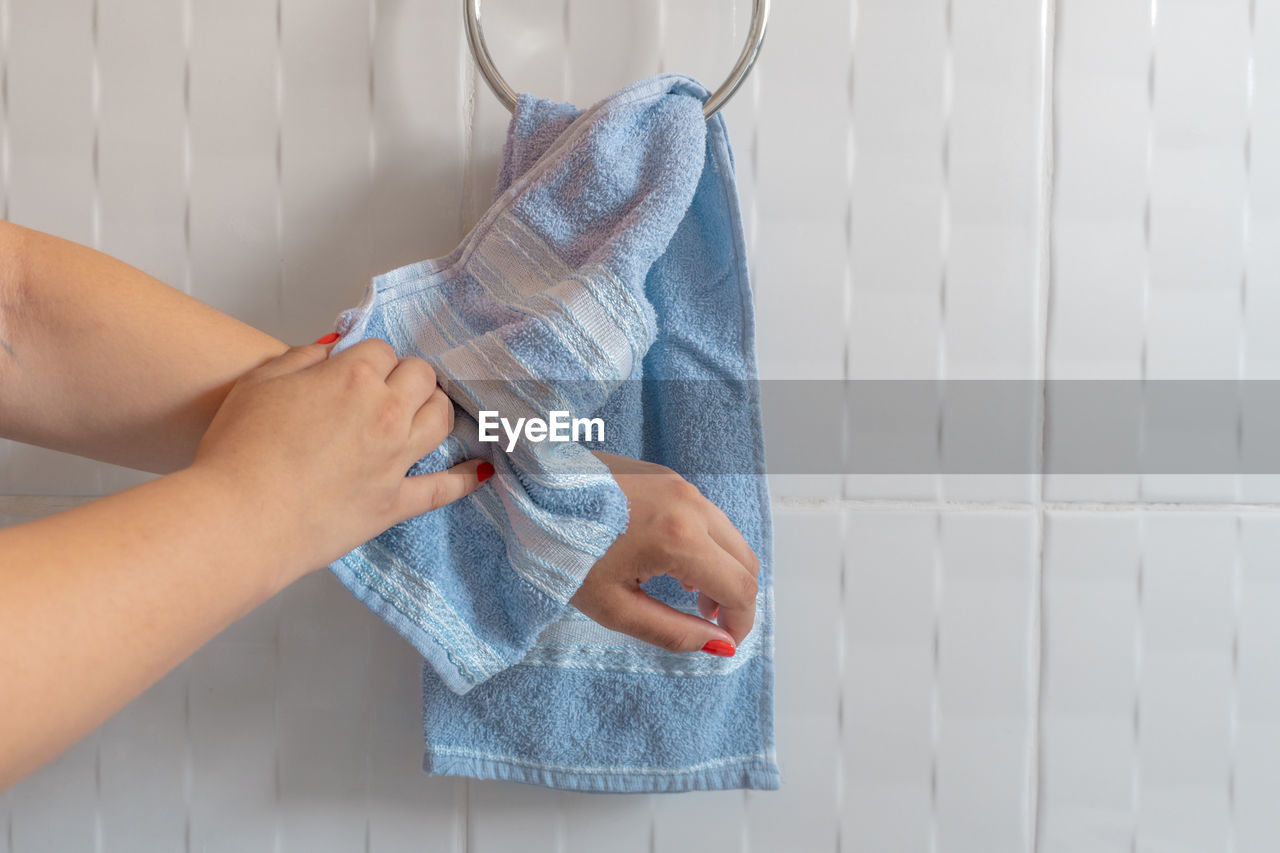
point(305, 460)
point(675, 531)
point(323, 444)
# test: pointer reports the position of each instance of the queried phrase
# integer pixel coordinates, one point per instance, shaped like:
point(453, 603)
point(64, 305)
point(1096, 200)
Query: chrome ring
point(759, 16)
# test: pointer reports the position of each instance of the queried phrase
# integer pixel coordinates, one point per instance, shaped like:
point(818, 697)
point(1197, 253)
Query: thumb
point(633, 611)
point(294, 359)
point(425, 492)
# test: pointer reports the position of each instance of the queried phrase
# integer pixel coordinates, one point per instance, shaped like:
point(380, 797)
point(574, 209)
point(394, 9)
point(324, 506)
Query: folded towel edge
point(458, 673)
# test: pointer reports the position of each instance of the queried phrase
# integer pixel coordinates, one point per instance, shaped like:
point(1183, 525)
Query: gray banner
point(958, 426)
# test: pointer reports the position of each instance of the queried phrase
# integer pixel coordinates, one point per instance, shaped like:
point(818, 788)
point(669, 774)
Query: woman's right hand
point(322, 444)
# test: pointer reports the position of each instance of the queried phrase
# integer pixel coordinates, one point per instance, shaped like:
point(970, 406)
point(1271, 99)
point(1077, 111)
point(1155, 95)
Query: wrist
point(268, 529)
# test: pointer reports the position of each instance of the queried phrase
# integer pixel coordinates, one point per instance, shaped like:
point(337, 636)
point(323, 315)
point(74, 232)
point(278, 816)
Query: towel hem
point(751, 773)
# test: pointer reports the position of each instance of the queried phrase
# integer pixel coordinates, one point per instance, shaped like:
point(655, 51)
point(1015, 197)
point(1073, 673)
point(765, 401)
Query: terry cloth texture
point(608, 279)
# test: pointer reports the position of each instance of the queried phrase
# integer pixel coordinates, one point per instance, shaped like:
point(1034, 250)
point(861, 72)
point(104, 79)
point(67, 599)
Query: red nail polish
point(329, 338)
point(715, 614)
point(720, 647)
point(484, 471)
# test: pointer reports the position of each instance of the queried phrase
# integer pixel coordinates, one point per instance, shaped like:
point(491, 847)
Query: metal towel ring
point(759, 16)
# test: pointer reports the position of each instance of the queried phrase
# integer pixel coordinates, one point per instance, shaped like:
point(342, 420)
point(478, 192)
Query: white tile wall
point(934, 189)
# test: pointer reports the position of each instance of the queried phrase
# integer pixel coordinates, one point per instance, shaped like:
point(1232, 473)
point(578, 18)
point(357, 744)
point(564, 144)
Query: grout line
point(566, 58)
point(188, 757)
point(652, 846)
point(468, 103)
point(462, 797)
point(187, 25)
point(5, 142)
point(1037, 657)
point(1147, 262)
point(944, 222)
point(369, 732)
point(96, 216)
point(560, 825)
point(944, 239)
point(277, 791)
point(1237, 576)
point(99, 830)
point(753, 210)
point(95, 90)
point(850, 171)
point(662, 31)
point(1135, 840)
point(935, 686)
point(881, 504)
point(1233, 736)
point(944, 249)
point(279, 163)
point(371, 204)
point(841, 629)
point(1246, 227)
point(1135, 770)
point(6, 448)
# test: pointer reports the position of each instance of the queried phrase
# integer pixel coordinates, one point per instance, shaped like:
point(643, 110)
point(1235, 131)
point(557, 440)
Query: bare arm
point(100, 359)
point(305, 460)
point(99, 602)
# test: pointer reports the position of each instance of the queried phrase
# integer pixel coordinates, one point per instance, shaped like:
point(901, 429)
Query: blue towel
point(607, 279)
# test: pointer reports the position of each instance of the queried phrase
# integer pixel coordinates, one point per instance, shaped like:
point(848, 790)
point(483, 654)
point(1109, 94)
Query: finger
point(632, 611)
point(728, 538)
point(292, 360)
point(721, 577)
point(425, 492)
point(432, 424)
point(413, 380)
point(374, 351)
point(708, 606)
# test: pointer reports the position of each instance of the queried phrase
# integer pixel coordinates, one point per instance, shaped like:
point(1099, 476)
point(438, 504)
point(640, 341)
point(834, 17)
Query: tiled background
point(932, 189)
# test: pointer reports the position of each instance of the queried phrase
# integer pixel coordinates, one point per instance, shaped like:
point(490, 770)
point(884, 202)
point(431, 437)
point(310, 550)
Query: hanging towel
point(607, 279)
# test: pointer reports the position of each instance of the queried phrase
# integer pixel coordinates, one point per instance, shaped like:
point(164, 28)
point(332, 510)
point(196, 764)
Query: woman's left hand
point(673, 530)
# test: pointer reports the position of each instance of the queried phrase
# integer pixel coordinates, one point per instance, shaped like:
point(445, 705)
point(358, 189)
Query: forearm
point(174, 561)
point(100, 359)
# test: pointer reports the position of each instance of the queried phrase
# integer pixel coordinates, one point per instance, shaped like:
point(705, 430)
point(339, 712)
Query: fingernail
point(484, 471)
point(328, 339)
point(715, 614)
point(719, 647)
